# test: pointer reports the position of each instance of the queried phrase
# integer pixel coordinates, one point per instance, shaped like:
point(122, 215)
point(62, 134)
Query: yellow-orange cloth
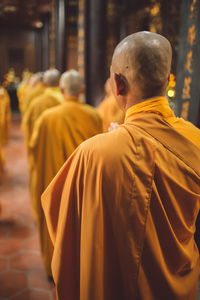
point(22, 90)
point(110, 112)
point(55, 136)
point(5, 115)
point(121, 212)
point(31, 94)
point(51, 97)
point(2, 162)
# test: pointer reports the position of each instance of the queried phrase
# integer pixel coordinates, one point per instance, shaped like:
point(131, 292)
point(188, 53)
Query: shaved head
point(144, 60)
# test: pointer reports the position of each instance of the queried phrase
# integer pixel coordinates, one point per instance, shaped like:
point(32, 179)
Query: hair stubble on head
point(71, 82)
point(144, 58)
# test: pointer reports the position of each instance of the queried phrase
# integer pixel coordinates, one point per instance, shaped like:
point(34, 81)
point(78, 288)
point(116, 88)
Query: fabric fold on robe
point(51, 97)
point(56, 135)
point(121, 212)
point(31, 94)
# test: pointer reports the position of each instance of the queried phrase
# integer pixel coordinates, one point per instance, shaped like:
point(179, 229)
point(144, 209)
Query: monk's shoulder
point(117, 144)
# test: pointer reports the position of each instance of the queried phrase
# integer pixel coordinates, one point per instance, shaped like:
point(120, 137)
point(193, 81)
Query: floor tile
point(10, 246)
point(31, 294)
point(38, 278)
point(3, 264)
point(32, 243)
point(11, 283)
point(22, 276)
point(25, 261)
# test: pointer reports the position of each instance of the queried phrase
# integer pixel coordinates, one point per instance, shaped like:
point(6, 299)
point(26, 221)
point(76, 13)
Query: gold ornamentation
point(186, 88)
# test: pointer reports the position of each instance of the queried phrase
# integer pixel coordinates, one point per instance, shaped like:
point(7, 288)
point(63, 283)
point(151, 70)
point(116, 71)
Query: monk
point(35, 89)
point(109, 110)
point(22, 89)
point(5, 115)
point(121, 212)
point(55, 136)
point(52, 96)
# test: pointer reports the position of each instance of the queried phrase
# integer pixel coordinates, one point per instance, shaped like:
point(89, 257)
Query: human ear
point(120, 83)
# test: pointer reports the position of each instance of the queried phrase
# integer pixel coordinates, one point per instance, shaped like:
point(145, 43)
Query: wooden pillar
point(113, 31)
point(42, 46)
point(188, 69)
point(45, 45)
point(60, 37)
point(95, 60)
point(52, 36)
point(82, 27)
point(72, 41)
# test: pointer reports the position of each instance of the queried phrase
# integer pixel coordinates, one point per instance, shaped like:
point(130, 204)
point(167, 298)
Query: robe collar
point(71, 99)
point(157, 105)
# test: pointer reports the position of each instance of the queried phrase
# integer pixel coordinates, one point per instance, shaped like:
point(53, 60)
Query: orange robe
point(31, 94)
point(22, 92)
point(5, 115)
point(51, 97)
point(121, 212)
point(55, 136)
point(110, 112)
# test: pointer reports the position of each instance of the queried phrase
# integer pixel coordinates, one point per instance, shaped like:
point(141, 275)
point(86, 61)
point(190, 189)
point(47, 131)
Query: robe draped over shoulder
point(121, 214)
point(55, 136)
point(50, 98)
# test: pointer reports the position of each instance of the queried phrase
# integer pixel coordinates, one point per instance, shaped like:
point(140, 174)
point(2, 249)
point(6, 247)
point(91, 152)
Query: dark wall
point(17, 50)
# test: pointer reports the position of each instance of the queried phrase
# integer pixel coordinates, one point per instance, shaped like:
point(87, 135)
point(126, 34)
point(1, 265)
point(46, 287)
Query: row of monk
point(55, 121)
point(118, 219)
point(5, 118)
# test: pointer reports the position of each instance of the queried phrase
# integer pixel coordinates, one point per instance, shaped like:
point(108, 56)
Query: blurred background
point(38, 34)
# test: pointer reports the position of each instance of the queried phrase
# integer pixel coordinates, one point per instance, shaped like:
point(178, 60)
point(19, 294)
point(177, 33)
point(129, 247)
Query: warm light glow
point(172, 83)
point(10, 8)
point(171, 77)
point(37, 24)
point(171, 93)
point(155, 10)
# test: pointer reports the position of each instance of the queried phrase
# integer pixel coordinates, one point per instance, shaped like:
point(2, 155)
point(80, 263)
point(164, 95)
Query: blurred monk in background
point(5, 121)
point(56, 135)
point(5, 115)
point(35, 88)
point(52, 96)
point(23, 88)
point(109, 110)
point(121, 212)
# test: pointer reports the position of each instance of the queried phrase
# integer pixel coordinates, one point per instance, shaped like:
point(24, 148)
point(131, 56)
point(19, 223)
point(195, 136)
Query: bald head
point(51, 77)
point(71, 82)
point(144, 59)
point(36, 78)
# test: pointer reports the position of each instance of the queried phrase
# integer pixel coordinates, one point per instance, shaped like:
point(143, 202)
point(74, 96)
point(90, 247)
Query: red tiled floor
point(32, 295)
point(32, 243)
point(3, 233)
point(10, 246)
point(26, 261)
point(22, 276)
point(12, 282)
point(37, 278)
point(3, 264)
point(22, 231)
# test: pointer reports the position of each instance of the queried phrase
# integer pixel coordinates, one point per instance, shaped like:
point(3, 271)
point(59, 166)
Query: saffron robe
point(31, 94)
point(121, 212)
point(55, 136)
point(51, 97)
point(22, 90)
point(110, 112)
point(5, 115)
